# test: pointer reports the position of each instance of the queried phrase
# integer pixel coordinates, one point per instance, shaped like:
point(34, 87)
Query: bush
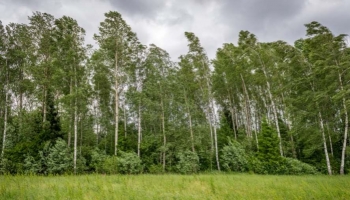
point(297, 167)
point(155, 169)
point(110, 165)
point(81, 165)
point(31, 166)
point(255, 165)
point(129, 163)
point(59, 159)
point(233, 157)
point(102, 163)
point(188, 162)
point(6, 166)
point(268, 153)
point(97, 159)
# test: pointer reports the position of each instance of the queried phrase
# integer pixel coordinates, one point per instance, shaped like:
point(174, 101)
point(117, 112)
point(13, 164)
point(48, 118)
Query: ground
point(204, 186)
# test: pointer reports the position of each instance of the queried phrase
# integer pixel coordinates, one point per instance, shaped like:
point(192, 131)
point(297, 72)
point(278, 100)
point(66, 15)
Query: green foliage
point(233, 157)
point(56, 159)
point(59, 88)
point(97, 159)
point(155, 169)
point(255, 165)
point(110, 165)
point(102, 163)
point(129, 163)
point(31, 166)
point(296, 167)
point(7, 166)
point(125, 163)
point(188, 162)
point(268, 152)
point(81, 165)
point(59, 158)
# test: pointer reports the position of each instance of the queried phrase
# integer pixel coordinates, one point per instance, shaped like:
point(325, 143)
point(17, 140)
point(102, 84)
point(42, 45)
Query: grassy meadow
point(206, 186)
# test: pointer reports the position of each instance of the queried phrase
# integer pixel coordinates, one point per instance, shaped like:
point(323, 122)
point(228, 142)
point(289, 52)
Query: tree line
point(125, 107)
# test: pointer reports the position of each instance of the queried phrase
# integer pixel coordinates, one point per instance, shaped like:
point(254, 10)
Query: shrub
point(233, 157)
point(97, 159)
point(59, 159)
point(31, 166)
point(110, 165)
point(6, 166)
point(155, 169)
point(268, 153)
point(129, 163)
point(255, 165)
point(188, 162)
point(81, 164)
point(297, 167)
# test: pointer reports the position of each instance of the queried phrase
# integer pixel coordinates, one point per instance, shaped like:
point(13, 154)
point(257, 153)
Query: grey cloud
point(140, 8)
point(261, 17)
point(35, 4)
point(159, 11)
point(336, 19)
point(175, 16)
point(214, 21)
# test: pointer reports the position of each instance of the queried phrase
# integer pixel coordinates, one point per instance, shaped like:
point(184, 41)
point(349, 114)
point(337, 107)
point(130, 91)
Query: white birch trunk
point(116, 102)
point(232, 110)
point(215, 136)
point(274, 109)
point(325, 144)
point(247, 108)
point(330, 140)
point(343, 152)
point(70, 113)
point(75, 121)
point(5, 117)
point(164, 135)
point(124, 110)
point(190, 122)
point(139, 131)
point(44, 104)
point(75, 136)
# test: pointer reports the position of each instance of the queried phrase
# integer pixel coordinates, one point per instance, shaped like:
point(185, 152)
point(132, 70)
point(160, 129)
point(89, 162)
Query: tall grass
point(206, 186)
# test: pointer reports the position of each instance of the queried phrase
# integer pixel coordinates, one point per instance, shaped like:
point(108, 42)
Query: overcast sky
point(163, 22)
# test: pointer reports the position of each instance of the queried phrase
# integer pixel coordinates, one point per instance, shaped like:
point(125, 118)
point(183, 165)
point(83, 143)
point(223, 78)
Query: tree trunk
point(164, 136)
point(124, 110)
point(274, 109)
point(330, 140)
point(212, 121)
point(190, 122)
point(81, 134)
point(325, 144)
point(5, 115)
point(233, 122)
point(96, 125)
point(291, 139)
point(44, 104)
point(70, 112)
point(256, 132)
point(75, 123)
point(293, 146)
point(116, 102)
point(139, 130)
point(343, 152)
point(21, 94)
point(247, 108)
point(233, 111)
point(215, 136)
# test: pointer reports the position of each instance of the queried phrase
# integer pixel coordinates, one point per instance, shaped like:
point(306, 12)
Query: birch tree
point(117, 40)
